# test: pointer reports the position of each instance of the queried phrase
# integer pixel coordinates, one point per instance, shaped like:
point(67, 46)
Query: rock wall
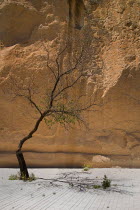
point(111, 28)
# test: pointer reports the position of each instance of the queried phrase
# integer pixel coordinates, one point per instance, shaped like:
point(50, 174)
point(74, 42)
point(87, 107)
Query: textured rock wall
point(111, 28)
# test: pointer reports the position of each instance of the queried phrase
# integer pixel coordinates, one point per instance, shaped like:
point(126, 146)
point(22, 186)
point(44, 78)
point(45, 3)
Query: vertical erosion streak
point(76, 13)
point(79, 14)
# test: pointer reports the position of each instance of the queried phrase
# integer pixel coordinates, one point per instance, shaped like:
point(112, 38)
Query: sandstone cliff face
point(112, 28)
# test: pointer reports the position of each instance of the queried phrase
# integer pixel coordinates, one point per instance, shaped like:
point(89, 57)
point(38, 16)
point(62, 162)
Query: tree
point(57, 108)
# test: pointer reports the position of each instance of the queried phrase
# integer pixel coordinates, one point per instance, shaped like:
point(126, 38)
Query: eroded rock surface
point(113, 30)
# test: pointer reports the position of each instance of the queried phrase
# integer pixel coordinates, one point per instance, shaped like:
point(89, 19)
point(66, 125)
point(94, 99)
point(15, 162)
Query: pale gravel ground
point(124, 193)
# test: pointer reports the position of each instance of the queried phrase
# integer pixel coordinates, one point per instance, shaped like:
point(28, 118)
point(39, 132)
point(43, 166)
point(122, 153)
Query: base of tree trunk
point(22, 165)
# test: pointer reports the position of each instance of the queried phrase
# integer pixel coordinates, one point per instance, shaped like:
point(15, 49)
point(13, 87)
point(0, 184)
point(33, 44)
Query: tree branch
point(67, 87)
point(48, 58)
point(57, 60)
point(34, 129)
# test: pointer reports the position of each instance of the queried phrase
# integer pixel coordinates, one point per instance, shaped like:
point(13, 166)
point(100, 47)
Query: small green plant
point(86, 167)
point(22, 177)
point(32, 177)
point(96, 186)
point(106, 182)
point(71, 184)
point(13, 177)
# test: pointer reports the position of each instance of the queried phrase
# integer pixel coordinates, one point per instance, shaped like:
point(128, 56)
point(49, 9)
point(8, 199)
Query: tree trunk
point(22, 164)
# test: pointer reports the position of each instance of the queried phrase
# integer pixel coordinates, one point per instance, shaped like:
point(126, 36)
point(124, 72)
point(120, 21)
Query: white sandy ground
point(124, 193)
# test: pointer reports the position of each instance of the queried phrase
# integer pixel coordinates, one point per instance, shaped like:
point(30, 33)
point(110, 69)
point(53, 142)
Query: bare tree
point(57, 108)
